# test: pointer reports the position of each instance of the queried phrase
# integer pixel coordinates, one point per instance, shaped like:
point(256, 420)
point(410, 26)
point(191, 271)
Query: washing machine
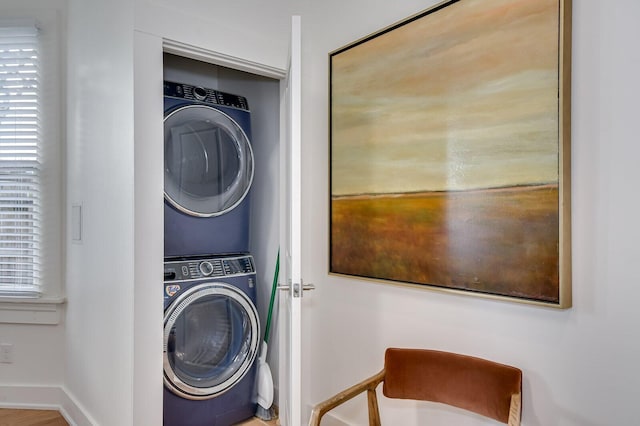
point(211, 338)
point(208, 171)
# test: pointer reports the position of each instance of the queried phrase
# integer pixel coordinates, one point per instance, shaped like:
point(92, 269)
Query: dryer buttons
point(206, 268)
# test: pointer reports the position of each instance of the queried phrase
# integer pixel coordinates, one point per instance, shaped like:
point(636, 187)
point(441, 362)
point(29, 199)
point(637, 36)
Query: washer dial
point(206, 268)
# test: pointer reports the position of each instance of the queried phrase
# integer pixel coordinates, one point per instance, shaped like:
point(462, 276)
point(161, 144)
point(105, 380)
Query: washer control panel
point(199, 268)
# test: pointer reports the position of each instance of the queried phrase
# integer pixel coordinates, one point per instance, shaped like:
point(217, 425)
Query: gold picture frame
point(450, 151)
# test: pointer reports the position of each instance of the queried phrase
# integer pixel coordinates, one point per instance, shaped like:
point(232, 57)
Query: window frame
point(21, 143)
point(45, 309)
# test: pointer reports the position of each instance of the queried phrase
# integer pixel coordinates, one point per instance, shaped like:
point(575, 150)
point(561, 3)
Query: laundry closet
point(221, 231)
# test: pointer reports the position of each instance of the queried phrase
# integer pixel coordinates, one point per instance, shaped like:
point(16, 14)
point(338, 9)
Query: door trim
point(217, 58)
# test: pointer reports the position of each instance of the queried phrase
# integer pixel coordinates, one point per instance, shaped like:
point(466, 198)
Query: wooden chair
point(474, 384)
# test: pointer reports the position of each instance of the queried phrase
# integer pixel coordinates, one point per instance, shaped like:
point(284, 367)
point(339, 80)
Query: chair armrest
point(369, 384)
point(515, 413)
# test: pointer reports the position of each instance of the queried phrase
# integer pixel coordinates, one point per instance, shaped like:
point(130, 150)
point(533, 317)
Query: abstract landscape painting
point(449, 151)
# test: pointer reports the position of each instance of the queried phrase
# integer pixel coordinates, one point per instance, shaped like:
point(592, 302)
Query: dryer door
point(208, 161)
point(210, 340)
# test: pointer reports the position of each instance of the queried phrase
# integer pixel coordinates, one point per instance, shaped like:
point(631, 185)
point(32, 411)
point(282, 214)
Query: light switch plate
point(6, 353)
point(76, 223)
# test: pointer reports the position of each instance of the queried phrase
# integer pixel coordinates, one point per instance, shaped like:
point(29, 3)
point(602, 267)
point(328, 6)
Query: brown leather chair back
point(474, 384)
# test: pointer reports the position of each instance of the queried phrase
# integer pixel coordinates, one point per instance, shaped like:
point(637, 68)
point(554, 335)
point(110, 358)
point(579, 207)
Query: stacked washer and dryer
point(211, 325)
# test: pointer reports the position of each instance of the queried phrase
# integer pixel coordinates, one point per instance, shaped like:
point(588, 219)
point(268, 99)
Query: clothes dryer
point(208, 171)
point(211, 338)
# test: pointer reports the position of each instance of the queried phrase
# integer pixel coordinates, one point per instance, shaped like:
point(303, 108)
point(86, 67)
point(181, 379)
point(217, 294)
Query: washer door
point(210, 340)
point(208, 161)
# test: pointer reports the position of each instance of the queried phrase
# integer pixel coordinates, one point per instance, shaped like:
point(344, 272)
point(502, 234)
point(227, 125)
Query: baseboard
point(30, 397)
point(73, 411)
point(45, 398)
point(329, 419)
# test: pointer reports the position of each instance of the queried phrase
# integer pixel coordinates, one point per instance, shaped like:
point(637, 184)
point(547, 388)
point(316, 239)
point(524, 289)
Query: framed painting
point(450, 151)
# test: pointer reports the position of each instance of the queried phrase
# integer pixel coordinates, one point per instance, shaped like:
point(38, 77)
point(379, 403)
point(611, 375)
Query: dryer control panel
point(203, 94)
point(207, 267)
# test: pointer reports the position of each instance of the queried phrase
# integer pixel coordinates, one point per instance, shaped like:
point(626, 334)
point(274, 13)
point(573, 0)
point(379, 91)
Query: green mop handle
point(273, 296)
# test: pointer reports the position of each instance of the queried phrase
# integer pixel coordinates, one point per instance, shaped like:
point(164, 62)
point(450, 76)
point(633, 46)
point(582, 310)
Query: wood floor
point(12, 417)
point(258, 422)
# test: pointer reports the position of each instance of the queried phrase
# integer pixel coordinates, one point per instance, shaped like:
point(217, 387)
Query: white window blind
point(20, 145)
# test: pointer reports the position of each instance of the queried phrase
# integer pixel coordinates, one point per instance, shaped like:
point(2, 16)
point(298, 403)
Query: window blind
point(20, 145)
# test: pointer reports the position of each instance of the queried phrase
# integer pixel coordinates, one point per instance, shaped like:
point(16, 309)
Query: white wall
point(254, 31)
point(579, 364)
point(100, 270)
point(38, 357)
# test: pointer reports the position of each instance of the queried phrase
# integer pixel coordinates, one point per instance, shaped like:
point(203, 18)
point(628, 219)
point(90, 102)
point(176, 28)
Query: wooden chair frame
point(369, 386)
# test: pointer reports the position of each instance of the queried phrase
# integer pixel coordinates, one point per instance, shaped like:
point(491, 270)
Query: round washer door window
point(210, 340)
point(208, 161)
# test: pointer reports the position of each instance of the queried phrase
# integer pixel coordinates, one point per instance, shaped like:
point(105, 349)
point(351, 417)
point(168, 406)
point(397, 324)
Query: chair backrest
point(466, 382)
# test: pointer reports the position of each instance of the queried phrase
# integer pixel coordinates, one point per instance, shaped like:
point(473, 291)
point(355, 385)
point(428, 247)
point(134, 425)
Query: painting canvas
point(449, 151)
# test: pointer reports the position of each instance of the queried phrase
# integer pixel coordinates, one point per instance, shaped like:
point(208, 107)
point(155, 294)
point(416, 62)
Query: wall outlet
point(6, 353)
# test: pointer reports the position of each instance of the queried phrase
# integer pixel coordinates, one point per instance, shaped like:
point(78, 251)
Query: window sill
point(44, 311)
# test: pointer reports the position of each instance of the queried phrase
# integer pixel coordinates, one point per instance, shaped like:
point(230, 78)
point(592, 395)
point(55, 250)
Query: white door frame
point(290, 330)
